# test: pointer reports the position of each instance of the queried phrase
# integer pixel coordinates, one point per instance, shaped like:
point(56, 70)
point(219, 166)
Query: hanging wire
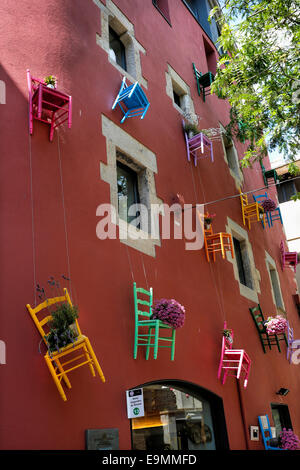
point(129, 261)
point(32, 221)
point(222, 311)
point(243, 192)
point(145, 274)
point(64, 211)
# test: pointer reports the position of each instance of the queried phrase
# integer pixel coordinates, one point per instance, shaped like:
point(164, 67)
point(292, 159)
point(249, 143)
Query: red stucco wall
point(60, 39)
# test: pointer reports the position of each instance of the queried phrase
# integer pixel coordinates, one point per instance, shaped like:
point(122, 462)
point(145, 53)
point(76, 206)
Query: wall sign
point(135, 403)
point(102, 439)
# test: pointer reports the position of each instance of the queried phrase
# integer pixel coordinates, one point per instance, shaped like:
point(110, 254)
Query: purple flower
point(169, 311)
point(269, 205)
point(288, 440)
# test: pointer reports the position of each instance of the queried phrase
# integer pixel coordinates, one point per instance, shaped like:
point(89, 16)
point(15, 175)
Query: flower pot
point(51, 86)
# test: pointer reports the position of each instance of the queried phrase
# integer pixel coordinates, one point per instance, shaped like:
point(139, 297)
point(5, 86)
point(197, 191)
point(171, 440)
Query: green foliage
point(259, 74)
point(189, 127)
point(50, 80)
point(60, 332)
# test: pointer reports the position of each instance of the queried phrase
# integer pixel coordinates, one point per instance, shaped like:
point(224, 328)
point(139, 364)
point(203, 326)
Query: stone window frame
point(123, 147)
point(236, 172)
point(271, 266)
point(175, 83)
point(242, 235)
point(112, 17)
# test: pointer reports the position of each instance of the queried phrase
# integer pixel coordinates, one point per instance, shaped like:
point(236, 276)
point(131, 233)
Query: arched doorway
point(179, 416)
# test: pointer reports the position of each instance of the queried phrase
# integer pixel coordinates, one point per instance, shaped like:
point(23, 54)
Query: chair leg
point(135, 342)
point(262, 343)
point(64, 376)
point(148, 344)
point(173, 344)
point(90, 364)
point(95, 361)
point(156, 340)
point(277, 342)
point(55, 378)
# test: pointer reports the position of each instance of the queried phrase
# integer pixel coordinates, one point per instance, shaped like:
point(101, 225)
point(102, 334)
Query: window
point(180, 94)
point(179, 418)
point(275, 284)
point(163, 7)
point(244, 269)
point(210, 57)
point(200, 10)
point(242, 261)
point(176, 98)
point(285, 191)
point(276, 288)
point(231, 157)
point(117, 49)
point(129, 171)
point(128, 193)
point(118, 40)
point(281, 417)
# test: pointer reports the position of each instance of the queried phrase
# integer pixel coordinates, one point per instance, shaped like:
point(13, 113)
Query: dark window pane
point(127, 191)
point(239, 261)
point(281, 417)
point(176, 98)
point(286, 191)
point(118, 47)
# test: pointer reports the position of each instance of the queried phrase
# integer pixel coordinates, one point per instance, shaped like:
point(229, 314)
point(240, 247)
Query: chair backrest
point(143, 298)
point(33, 83)
point(260, 197)
point(258, 318)
point(244, 199)
point(290, 334)
point(41, 314)
point(282, 249)
point(265, 429)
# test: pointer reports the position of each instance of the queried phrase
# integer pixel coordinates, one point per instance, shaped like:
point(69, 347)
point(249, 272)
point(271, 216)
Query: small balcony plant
point(208, 218)
point(227, 334)
point(169, 311)
point(276, 325)
point(191, 129)
point(63, 330)
point(51, 81)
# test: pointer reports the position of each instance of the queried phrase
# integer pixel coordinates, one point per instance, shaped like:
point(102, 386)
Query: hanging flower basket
point(276, 325)
point(288, 440)
point(269, 205)
point(170, 312)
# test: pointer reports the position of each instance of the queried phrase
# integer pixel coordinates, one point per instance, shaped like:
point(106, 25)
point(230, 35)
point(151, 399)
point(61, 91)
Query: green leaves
point(259, 74)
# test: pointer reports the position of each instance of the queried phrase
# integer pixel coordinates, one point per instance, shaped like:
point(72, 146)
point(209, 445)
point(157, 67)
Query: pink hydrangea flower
point(276, 325)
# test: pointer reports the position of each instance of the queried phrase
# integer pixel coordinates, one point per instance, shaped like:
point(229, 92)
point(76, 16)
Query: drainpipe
point(246, 433)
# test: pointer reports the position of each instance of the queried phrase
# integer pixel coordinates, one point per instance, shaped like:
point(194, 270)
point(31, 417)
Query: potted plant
point(191, 129)
point(276, 325)
point(63, 329)
point(227, 334)
point(169, 311)
point(208, 218)
point(288, 440)
point(51, 81)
